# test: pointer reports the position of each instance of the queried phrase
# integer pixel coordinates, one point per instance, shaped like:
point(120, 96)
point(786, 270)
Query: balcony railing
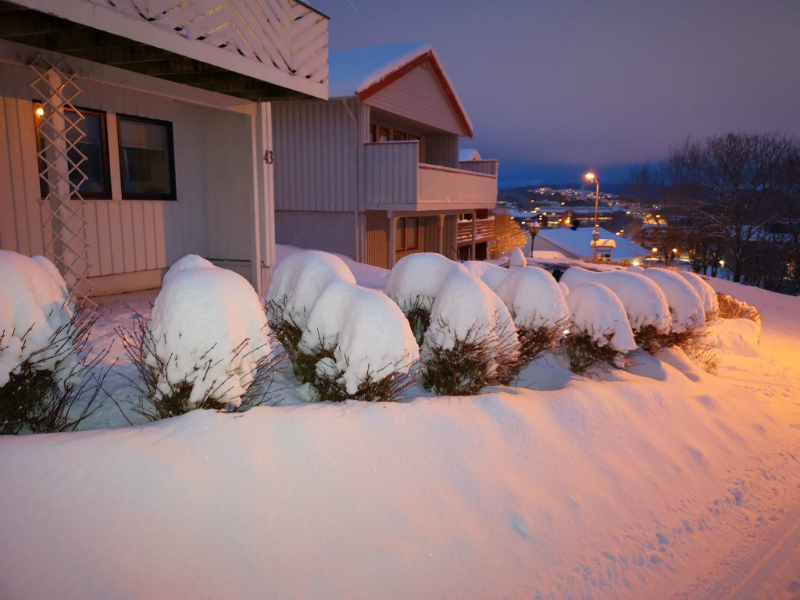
point(484, 229)
point(395, 179)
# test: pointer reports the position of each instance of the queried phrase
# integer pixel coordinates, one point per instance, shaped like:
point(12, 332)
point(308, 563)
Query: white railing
point(445, 186)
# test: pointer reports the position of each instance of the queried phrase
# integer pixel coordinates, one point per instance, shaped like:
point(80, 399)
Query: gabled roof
point(363, 72)
point(578, 243)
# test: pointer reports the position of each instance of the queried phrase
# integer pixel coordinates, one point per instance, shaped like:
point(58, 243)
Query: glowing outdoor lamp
point(534, 229)
point(40, 111)
point(595, 234)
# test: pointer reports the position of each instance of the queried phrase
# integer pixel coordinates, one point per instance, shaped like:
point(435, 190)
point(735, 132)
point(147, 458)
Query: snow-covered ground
point(657, 482)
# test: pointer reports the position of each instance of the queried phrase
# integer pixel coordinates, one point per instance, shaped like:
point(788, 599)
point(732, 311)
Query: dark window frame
point(402, 231)
point(106, 193)
point(173, 193)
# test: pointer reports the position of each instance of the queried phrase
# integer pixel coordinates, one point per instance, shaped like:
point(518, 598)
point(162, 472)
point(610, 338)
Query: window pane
point(399, 234)
point(399, 136)
point(383, 135)
point(373, 133)
point(412, 229)
point(90, 154)
point(146, 158)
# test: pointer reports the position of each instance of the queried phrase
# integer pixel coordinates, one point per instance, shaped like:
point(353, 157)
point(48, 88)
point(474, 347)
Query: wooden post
point(441, 234)
point(255, 208)
point(392, 234)
point(472, 247)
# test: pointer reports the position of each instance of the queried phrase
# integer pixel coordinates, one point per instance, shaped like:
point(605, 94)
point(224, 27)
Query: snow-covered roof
point(465, 154)
point(365, 71)
point(578, 243)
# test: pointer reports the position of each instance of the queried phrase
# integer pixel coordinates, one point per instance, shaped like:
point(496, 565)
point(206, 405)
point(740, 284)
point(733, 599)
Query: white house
point(578, 244)
point(136, 131)
point(374, 173)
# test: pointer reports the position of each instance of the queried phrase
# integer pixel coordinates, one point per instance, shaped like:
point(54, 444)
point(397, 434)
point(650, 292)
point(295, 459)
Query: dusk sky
point(554, 87)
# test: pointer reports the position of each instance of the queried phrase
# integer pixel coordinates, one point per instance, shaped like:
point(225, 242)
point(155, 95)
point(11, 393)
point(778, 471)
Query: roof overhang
point(280, 51)
point(427, 56)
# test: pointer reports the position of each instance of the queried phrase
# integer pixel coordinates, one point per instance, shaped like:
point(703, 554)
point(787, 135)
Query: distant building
point(578, 244)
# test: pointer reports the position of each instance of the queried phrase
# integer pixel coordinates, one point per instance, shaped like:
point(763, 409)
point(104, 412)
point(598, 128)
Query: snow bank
point(490, 274)
point(533, 298)
point(35, 313)
point(300, 278)
point(596, 310)
point(368, 333)
point(416, 278)
point(734, 336)
point(685, 306)
point(209, 330)
point(705, 291)
point(644, 302)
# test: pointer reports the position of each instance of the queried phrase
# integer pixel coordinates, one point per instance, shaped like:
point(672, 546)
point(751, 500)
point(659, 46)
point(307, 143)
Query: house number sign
point(269, 157)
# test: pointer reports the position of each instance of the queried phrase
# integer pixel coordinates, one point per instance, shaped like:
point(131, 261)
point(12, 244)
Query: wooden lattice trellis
point(60, 162)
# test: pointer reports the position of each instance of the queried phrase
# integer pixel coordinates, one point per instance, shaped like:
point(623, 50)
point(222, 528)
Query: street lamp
point(534, 229)
point(595, 234)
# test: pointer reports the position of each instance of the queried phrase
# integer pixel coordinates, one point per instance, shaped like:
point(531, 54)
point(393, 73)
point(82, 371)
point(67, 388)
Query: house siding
point(442, 150)
point(213, 172)
point(418, 96)
point(326, 231)
point(315, 155)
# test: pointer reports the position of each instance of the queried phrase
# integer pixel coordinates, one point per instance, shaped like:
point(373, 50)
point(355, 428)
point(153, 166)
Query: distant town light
point(655, 249)
point(675, 250)
point(636, 263)
point(566, 332)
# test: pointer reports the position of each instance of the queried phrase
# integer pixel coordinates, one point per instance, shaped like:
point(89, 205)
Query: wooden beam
point(27, 22)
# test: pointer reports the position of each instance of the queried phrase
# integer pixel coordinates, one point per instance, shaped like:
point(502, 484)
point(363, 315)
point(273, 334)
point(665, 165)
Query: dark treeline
point(732, 198)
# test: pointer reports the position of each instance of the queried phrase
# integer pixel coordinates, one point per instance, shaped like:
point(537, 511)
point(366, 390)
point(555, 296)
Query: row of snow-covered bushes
point(456, 327)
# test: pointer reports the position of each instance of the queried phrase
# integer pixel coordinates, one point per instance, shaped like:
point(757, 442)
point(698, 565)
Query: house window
point(147, 160)
point(373, 133)
point(398, 136)
point(384, 134)
point(406, 235)
point(93, 146)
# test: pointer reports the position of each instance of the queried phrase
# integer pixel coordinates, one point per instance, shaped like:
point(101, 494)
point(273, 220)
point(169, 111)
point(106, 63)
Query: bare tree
point(746, 179)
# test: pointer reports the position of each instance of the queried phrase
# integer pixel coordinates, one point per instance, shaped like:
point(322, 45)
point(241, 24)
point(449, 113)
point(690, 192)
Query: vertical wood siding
point(390, 173)
point(442, 185)
point(213, 177)
point(419, 96)
point(377, 239)
point(315, 156)
point(442, 150)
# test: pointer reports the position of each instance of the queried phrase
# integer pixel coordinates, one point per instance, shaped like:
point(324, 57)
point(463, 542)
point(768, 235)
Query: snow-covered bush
point(356, 344)
point(707, 294)
point(490, 274)
point(42, 344)
point(414, 283)
point(599, 331)
point(471, 341)
point(645, 304)
point(298, 281)
point(731, 308)
point(538, 308)
point(206, 345)
point(517, 260)
point(685, 306)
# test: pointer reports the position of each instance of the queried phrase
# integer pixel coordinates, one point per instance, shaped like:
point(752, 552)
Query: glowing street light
point(595, 234)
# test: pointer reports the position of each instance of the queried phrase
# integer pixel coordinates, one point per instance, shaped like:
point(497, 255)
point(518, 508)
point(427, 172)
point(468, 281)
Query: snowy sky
point(554, 87)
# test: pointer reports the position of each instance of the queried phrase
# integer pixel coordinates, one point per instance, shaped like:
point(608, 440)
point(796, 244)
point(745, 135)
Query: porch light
point(722, 264)
point(655, 249)
point(675, 250)
point(40, 111)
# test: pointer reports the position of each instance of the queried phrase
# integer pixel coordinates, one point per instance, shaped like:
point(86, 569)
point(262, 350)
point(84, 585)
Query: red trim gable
point(427, 57)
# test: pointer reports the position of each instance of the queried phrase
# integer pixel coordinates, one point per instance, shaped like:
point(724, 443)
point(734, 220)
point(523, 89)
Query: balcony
point(484, 229)
point(394, 179)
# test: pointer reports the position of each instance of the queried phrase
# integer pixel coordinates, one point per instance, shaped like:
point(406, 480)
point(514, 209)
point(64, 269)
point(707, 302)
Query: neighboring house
point(374, 172)
point(578, 244)
point(134, 132)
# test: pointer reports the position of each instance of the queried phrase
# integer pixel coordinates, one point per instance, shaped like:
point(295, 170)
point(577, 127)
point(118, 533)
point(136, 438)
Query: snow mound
point(300, 279)
point(518, 259)
point(466, 309)
point(533, 298)
point(416, 279)
point(564, 288)
point(735, 336)
point(368, 333)
point(596, 311)
point(685, 306)
point(190, 261)
point(35, 313)
point(636, 269)
point(490, 274)
point(704, 290)
point(209, 330)
point(644, 302)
